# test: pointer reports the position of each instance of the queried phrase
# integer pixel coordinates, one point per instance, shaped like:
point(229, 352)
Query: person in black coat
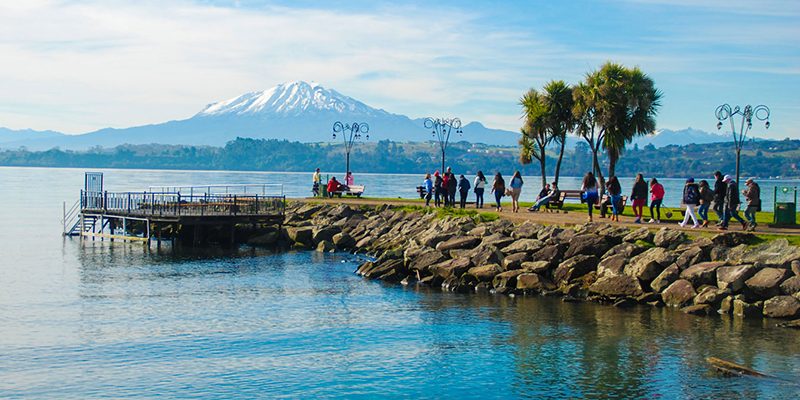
point(452, 187)
point(463, 190)
point(718, 204)
point(732, 202)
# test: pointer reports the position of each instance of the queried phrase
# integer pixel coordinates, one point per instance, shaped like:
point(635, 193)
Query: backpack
point(692, 194)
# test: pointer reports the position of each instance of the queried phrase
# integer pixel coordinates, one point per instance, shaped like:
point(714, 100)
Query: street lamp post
point(441, 129)
point(725, 111)
point(350, 133)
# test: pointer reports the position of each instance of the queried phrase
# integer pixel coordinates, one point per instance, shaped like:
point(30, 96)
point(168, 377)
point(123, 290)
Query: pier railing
point(178, 204)
point(263, 189)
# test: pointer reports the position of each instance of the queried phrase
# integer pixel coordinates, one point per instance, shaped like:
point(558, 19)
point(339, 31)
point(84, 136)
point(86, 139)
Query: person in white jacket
point(479, 186)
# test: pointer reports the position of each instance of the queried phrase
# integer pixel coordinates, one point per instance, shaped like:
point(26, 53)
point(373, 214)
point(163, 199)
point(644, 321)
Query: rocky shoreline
point(723, 274)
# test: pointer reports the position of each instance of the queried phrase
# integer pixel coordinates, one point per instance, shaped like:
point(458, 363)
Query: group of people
point(333, 186)
point(698, 198)
point(442, 189)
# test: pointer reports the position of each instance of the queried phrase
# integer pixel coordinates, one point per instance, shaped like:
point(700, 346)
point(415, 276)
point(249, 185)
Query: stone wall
point(591, 262)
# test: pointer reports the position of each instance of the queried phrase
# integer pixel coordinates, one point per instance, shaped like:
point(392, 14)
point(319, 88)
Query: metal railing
point(263, 189)
point(178, 204)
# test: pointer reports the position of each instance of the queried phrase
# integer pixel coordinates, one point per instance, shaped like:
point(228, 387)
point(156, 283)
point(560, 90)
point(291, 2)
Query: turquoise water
point(100, 320)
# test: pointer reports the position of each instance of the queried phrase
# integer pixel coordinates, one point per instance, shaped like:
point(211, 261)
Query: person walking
point(452, 187)
point(445, 182)
point(718, 204)
point(732, 202)
point(706, 197)
point(428, 185)
point(516, 190)
point(499, 189)
point(753, 197)
point(316, 179)
point(463, 189)
point(589, 192)
point(656, 198)
point(614, 191)
point(479, 188)
point(691, 198)
point(438, 182)
point(639, 197)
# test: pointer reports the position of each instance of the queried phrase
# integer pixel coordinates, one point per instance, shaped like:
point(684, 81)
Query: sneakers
point(695, 226)
point(638, 221)
point(744, 226)
point(652, 221)
point(681, 224)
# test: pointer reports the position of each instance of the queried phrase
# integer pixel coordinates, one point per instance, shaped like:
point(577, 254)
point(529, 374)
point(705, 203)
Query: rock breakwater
point(730, 273)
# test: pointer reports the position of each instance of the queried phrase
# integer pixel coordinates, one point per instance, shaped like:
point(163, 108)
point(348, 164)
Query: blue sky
point(76, 66)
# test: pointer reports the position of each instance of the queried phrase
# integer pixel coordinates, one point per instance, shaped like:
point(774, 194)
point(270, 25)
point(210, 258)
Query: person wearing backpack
point(463, 189)
point(691, 198)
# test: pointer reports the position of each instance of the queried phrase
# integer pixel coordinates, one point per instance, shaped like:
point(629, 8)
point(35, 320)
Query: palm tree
point(585, 112)
point(535, 135)
point(559, 102)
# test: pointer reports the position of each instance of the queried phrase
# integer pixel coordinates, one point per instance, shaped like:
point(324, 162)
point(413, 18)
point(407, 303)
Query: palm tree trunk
point(560, 156)
point(542, 162)
point(599, 175)
point(612, 165)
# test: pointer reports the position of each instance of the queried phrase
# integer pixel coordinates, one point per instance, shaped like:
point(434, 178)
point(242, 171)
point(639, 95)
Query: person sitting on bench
point(334, 186)
point(552, 194)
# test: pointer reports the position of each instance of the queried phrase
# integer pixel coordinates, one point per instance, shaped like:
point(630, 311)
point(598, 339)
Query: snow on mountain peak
point(290, 98)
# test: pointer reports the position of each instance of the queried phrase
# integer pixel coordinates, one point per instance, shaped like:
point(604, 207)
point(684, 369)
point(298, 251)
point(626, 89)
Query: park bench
point(564, 195)
point(353, 190)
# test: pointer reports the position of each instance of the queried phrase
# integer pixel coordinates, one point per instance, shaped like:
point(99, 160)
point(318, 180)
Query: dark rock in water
point(732, 369)
point(343, 241)
point(302, 235)
point(733, 278)
point(648, 265)
point(782, 307)
point(647, 298)
point(324, 234)
point(575, 267)
point(733, 239)
point(791, 285)
point(668, 238)
point(570, 299)
point(614, 265)
point(697, 309)
point(507, 279)
point(625, 302)
point(617, 286)
point(539, 267)
point(794, 324)
point(409, 280)
point(642, 234)
point(458, 242)
point(534, 283)
point(520, 245)
point(774, 253)
point(483, 287)
point(679, 293)
point(710, 295)
point(726, 305)
point(665, 278)
point(325, 246)
point(766, 283)
point(589, 244)
point(745, 309)
point(514, 261)
point(703, 273)
point(267, 239)
point(483, 273)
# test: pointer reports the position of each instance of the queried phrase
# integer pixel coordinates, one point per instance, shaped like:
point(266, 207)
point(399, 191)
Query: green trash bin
point(785, 214)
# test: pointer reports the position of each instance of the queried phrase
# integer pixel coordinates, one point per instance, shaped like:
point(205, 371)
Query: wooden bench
point(422, 192)
point(564, 195)
point(354, 190)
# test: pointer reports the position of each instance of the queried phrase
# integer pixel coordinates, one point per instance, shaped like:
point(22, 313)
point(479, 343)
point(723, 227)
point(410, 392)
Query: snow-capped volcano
point(291, 99)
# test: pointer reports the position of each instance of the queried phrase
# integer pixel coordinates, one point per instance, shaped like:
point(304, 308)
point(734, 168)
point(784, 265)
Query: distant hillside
point(761, 159)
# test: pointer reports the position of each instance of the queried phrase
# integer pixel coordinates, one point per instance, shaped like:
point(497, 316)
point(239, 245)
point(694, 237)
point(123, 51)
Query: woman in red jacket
point(333, 186)
point(656, 198)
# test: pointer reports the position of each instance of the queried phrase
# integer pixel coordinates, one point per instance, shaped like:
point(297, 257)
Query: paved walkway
point(562, 217)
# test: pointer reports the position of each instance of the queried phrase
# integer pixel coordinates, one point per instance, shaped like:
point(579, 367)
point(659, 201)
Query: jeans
point(657, 205)
point(497, 196)
point(479, 198)
point(750, 214)
point(728, 214)
point(437, 194)
point(719, 209)
point(542, 202)
point(428, 198)
point(703, 211)
point(615, 201)
point(463, 194)
point(452, 197)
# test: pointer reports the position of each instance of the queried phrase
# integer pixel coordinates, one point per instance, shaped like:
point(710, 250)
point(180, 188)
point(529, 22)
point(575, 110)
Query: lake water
point(115, 320)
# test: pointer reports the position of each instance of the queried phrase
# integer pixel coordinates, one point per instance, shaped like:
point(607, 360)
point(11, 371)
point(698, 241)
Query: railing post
point(233, 206)
point(256, 203)
point(178, 204)
point(129, 202)
point(105, 201)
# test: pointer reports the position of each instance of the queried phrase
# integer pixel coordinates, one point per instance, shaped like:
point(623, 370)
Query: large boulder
point(782, 307)
point(697, 309)
point(691, 256)
point(745, 309)
point(526, 245)
point(552, 253)
point(343, 240)
point(302, 235)
point(617, 286)
point(703, 273)
point(425, 260)
point(575, 267)
point(766, 283)
point(534, 283)
point(498, 240)
point(514, 261)
point(733, 278)
point(526, 230)
point(325, 246)
point(642, 234)
point(627, 250)
point(324, 234)
point(791, 286)
point(458, 242)
point(668, 238)
point(648, 265)
point(483, 273)
point(266, 239)
point(589, 244)
point(733, 239)
point(614, 265)
point(548, 232)
point(774, 253)
point(487, 255)
point(539, 267)
point(506, 280)
point(665, 278)
point(710, 295)
point(451, 268)
point(679, 293)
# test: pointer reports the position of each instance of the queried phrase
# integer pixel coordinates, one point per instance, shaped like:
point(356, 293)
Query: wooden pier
point(189, 214)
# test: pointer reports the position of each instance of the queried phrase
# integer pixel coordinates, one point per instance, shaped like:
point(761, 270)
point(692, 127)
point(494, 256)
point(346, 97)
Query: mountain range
point(294, 111)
